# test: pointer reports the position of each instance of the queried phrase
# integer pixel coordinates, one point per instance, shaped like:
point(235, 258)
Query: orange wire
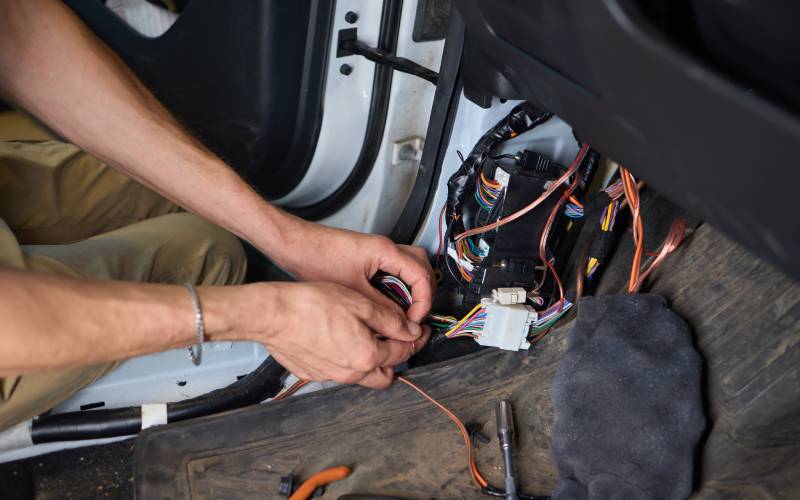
point(320, 479)
point(519, 213)
point(291, 390)
point(473, 468)
point(546, 232)
point(632, 195)
point(460, 253)
point(491, 183)
point(575, 201)
point(671, 242)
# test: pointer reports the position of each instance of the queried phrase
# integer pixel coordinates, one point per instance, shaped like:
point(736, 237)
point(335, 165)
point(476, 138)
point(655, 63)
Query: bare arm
point(54, 67)
point(45, 317)
point(54, 322)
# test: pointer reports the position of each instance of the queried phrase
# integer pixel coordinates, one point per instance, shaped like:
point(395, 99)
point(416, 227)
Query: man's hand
point(319, 253)
point(323, 331)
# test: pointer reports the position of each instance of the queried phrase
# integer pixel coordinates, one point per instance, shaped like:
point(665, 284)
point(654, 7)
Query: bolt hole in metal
point(351, 17)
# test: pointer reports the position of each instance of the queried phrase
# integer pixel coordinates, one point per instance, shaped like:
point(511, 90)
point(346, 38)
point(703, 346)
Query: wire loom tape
point(154, 414)
point(18, 436)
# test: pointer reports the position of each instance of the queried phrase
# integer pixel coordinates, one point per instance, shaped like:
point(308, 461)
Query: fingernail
point(415, 329)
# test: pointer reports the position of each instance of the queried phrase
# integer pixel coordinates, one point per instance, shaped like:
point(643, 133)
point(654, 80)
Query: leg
point(173, 248)
point(52, 192)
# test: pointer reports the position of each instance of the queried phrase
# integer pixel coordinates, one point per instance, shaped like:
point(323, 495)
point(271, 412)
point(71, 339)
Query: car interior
point(554, 159)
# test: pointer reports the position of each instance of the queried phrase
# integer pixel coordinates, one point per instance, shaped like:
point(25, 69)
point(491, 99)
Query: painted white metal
point(377, 206)
point(346, 106)
point(169, 376)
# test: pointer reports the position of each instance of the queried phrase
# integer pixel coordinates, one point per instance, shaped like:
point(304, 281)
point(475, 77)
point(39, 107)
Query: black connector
point(535, 163)
point(474, 431)
point(287, 485)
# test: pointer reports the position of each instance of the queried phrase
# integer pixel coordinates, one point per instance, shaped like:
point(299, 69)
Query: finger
point(417, 252)
point(393, 352)
point(419, 344)
point(391, 323)
point(373, 293)
point(418, 276)
point(379, 378)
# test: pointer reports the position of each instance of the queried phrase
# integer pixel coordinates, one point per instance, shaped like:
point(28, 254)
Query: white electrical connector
point(509, 296)
point(507, 327)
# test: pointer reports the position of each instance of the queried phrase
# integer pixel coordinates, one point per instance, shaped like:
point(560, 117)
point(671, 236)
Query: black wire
point(500, 157)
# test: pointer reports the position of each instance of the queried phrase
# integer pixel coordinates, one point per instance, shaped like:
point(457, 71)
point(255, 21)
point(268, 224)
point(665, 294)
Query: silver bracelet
point(196, 351)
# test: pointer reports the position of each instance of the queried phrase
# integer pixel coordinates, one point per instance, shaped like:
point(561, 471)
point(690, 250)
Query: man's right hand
point(324, 331)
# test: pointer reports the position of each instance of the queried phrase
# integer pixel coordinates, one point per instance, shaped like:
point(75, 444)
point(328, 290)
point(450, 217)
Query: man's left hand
point(319, 253)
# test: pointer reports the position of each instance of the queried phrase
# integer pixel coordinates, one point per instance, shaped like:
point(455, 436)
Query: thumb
point(392, 324)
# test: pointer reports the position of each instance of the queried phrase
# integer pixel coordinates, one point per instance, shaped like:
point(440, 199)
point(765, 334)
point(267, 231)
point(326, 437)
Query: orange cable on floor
point(320, 479)
point(480, 481)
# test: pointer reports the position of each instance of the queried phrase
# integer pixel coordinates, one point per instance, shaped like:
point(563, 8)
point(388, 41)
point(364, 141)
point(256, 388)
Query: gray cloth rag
point(628, 402)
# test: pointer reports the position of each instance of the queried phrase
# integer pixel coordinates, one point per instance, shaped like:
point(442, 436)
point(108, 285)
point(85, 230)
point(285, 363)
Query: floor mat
point(104, 471)
point(746, 318)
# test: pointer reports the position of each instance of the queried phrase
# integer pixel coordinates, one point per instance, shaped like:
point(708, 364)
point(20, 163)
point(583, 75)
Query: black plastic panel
point(246, 77)
point(697, 136)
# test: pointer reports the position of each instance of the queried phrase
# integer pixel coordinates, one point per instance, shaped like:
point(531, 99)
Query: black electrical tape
point(260, 384)
point(90, 424)
point(601, 245)
point(596, 202)
point(521, 119)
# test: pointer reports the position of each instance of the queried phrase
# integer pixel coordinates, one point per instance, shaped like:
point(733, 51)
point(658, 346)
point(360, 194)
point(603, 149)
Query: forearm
point(53, 322)
point(54, 67)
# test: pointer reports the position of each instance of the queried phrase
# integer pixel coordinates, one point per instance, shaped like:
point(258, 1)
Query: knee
point(213, 256)
point(225, 262)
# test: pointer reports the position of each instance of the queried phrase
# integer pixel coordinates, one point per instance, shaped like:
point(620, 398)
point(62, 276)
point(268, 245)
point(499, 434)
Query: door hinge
point(350, 45)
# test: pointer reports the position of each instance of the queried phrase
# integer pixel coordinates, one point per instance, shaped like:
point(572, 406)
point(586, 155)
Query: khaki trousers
point(63, 211)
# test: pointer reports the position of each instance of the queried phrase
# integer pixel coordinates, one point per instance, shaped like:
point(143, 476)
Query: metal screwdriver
point(505, 434)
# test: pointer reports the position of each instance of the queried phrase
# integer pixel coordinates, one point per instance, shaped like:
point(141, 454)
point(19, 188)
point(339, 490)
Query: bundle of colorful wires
point(469, 252)
point(394, 288)
point(398, 291)
point(440, 322)
point(550, 316)
point(574, 208)
point(615, 190)
point(606, 225)
point(486, 192)
point(470, 325)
